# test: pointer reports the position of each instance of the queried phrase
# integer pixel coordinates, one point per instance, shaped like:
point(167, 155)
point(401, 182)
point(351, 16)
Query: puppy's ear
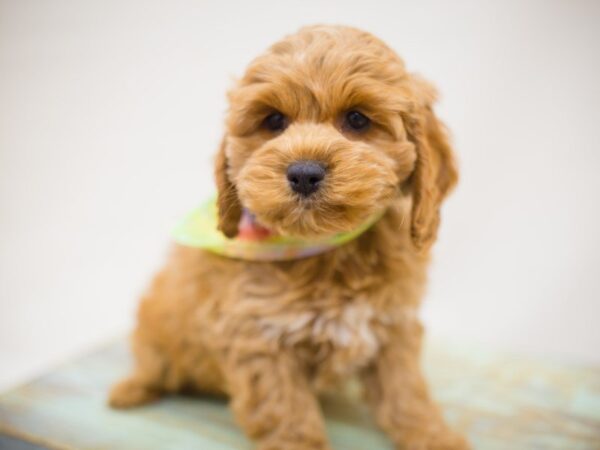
point(435, 172)
point(228, 203)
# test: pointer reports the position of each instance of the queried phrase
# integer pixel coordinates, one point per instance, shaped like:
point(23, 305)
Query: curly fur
point(273, 335)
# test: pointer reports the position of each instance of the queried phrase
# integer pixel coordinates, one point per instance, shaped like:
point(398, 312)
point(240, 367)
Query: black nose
point(305, 177)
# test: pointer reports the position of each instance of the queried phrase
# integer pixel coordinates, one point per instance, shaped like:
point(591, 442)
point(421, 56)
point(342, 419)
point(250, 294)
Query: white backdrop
point(110, 112)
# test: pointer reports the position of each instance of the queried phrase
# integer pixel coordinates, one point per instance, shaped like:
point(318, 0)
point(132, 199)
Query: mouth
point(250, 229)
point(259, 237)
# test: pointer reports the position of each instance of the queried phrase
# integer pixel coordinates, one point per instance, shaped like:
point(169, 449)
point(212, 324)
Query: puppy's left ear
point(435, 171)
point(228, 202)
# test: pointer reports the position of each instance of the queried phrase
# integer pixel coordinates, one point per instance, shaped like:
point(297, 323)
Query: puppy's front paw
point(443, 440)
point(131, 392)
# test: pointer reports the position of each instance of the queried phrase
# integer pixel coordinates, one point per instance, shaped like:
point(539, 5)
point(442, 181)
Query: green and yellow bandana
point(254, 242)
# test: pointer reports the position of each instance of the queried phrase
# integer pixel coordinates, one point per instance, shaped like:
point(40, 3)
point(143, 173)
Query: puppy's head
point(324, 130)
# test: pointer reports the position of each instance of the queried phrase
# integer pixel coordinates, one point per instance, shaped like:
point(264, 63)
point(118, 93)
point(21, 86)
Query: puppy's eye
point(275, 122)
point(357, 121)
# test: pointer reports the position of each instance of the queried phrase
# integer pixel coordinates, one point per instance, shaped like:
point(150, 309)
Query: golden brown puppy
point(273, 334)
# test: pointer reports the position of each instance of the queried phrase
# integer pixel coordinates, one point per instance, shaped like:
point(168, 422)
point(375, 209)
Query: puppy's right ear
point(228, 202)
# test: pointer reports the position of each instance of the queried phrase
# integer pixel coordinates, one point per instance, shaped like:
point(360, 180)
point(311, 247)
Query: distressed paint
point(501, 402)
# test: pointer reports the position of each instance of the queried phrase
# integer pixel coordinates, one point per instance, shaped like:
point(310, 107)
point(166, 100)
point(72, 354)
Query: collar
point(254, 242)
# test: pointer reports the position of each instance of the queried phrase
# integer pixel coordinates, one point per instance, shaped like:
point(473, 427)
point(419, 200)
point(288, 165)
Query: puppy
point(326, 132)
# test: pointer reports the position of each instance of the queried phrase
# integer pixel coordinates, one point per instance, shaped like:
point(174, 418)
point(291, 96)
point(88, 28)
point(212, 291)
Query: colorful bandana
point(254, 242)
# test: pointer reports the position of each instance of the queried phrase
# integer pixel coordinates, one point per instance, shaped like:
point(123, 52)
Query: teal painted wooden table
point(500, 402)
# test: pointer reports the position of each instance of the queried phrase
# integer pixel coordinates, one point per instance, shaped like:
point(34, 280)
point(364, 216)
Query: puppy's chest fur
point(331, 342)
point(334, 315)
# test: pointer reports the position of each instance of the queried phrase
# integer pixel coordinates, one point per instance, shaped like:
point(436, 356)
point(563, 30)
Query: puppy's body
point(273, 334)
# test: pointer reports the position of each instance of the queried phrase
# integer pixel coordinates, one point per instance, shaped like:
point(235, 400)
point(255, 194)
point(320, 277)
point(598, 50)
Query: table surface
point(499, 401)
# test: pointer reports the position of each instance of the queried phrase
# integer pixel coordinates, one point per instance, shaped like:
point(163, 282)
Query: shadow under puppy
point(325, 131)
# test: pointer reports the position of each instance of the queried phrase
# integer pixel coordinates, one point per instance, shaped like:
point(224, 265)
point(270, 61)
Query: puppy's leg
point(400, 399)
point(272, 400)
point(145, 384)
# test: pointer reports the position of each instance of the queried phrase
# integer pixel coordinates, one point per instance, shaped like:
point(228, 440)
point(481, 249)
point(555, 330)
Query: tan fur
point(273, 335)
